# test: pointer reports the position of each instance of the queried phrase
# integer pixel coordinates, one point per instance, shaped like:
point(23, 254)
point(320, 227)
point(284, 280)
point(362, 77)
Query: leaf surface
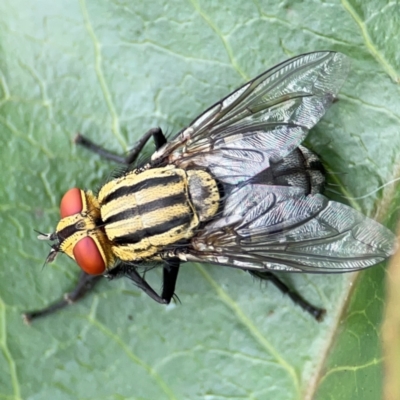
point(112, 70)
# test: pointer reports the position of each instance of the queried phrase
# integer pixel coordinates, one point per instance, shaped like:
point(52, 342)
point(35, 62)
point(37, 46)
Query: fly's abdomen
point(301, 168)
point(144, 212)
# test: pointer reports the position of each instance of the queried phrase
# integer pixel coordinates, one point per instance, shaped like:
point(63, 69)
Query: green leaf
point(113, 69)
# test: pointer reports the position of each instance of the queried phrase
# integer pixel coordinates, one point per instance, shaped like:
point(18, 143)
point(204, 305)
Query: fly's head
point(79, 233)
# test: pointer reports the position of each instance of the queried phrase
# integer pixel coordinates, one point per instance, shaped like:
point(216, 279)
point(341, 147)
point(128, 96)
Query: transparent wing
point(263, 121)
point(279, 229)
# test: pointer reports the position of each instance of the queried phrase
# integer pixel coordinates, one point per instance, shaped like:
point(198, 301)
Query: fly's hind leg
point(85, 285)
point(156, 133)
point(316, 312)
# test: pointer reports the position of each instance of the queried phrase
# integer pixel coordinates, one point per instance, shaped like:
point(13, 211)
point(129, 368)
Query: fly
point(235, 188)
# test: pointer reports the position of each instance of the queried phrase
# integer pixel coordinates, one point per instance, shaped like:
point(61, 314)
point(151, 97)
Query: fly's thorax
point(71, 229)
point(145, 211)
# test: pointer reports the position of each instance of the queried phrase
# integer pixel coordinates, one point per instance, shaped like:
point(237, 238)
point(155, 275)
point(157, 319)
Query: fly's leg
point(170, 276)
point(85, 285)
point(170, 272)
point(317, 313)
point(87, 282)
point(156, 133)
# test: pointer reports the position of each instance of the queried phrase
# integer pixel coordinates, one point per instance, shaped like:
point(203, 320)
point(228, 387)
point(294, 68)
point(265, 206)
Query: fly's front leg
point(130, 272)
point(316, 312)
point(85, 285)
point(170, 276)
point(156, 133)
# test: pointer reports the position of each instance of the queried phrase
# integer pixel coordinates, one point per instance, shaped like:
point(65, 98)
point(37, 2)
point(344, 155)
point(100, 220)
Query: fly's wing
point(263, 121)
point(278, 228)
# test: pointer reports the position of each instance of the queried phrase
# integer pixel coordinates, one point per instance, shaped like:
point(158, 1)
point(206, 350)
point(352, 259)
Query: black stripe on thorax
point(136, 237)
point(143, 209)
point(143, 184)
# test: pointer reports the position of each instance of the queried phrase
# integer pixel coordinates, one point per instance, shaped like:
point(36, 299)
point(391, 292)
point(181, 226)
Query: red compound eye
point(71, 203)
point(88, 256)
